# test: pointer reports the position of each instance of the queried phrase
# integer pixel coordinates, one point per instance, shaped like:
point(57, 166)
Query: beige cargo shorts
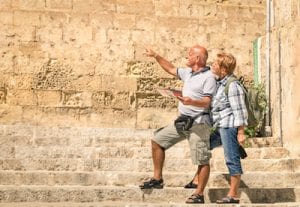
point(197, 136)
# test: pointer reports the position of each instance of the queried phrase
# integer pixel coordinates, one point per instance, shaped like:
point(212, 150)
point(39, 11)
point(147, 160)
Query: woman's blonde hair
point(227, 61)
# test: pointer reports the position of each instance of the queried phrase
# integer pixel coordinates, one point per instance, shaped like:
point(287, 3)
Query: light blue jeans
point(228, 138)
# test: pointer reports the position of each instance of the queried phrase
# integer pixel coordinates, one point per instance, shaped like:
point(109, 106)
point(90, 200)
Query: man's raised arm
point(165, 64)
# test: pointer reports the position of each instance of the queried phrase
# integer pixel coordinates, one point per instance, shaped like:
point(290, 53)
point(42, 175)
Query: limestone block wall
point(285, 73)
point(81, 63)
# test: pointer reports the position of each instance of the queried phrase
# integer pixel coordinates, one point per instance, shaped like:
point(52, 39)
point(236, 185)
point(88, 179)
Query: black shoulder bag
point(185, 122)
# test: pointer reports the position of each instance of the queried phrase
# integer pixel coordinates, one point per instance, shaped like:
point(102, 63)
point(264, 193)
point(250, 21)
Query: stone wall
point(285, 72)
point(81, 63)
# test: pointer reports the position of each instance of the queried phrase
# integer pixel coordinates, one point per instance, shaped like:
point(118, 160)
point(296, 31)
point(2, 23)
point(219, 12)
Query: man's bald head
point(201, 52)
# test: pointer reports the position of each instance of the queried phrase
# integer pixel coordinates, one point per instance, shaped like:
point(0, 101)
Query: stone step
point(140, 204)
point(23, 135)
point(134, 194)
point(101, 141)
point(181, 151)
point(115, 178)
point(265, 165)
point(142, 165)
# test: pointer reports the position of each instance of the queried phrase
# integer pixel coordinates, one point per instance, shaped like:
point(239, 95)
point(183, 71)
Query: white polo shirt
point(196, 85)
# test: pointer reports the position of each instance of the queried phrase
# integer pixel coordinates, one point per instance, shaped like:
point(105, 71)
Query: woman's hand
point(241, 138)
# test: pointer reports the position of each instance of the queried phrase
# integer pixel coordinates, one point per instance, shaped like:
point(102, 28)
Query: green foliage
point(258, 100)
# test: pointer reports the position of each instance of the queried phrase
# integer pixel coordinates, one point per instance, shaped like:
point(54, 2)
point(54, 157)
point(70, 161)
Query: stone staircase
point(52, 166)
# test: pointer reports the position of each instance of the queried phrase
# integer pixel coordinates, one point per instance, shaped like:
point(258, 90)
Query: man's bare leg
point(203, 176)
point(158, 158)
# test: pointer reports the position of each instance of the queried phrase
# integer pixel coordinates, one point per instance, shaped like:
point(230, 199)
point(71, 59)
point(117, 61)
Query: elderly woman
point(229, 114)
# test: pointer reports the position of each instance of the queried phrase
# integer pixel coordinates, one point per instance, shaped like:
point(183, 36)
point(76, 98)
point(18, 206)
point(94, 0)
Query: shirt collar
point(224, 80)
point(206, 68)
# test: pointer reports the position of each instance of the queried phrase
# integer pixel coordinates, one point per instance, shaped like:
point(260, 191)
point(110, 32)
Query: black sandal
point(195, 198)
point(228, 199)
point(153, 183)
point(191, 185)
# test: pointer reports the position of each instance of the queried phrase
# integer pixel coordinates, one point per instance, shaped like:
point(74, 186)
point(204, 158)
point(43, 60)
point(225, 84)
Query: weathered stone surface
point(152, 118)
point(53, 75)
point(29, 5)
point(26, 18)
point(13, 114)
point(67, 45)
point(3, 94)
point(135, 7)
point(5, 4)
point(72, 164)
point(132, 178)
point(59, 4)
point(140, 204)
point(129, 194)
point(49, 98)
point(21, 98)
point(6, 18)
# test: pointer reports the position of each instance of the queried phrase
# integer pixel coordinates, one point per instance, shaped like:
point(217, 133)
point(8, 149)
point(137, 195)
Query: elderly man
point(199, 86)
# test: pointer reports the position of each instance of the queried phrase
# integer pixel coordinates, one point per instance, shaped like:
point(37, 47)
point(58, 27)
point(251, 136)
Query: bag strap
point(230, 80)
point(202, 113)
